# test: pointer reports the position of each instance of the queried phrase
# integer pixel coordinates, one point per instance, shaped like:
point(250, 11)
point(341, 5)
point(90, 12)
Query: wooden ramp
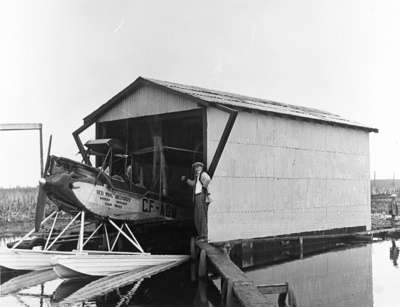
point(107, 284)
point(236, 288)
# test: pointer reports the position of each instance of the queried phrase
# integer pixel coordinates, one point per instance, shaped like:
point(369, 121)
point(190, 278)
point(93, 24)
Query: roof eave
point(91, 118)
point(114, 100)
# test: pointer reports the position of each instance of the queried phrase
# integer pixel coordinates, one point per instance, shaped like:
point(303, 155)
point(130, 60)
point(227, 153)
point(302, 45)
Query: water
point(162, 290)
point(43, 288)
point(366, 275)
point(360, 276)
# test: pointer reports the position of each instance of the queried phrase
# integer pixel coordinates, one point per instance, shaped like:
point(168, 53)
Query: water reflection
point(358, 276)
point(67, 288)
point(340, 278)
point(364, 275)
point(43, 288)
point(201, 298)
point(27, 280)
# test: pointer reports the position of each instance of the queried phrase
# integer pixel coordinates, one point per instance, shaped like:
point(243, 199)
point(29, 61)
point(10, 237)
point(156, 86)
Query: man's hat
point(197, 164)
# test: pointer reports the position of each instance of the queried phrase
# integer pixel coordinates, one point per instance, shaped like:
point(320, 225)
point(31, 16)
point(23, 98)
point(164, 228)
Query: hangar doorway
point(158, 150)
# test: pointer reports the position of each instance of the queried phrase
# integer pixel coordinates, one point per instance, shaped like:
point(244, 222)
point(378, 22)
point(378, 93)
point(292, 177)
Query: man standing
point(200, 197)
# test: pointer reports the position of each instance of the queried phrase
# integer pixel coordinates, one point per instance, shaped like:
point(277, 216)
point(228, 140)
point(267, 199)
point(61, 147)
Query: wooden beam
point(224, 138)
point(224, 266)
point(204, 132)
point(308, 237)
point(34, 295)
point(78, 142)
point(248, 296)
point(273, 289)
point(29, 126)
point(378, 231)
point(41, 151)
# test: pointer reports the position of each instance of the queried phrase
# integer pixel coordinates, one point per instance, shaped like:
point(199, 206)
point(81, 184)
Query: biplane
point(106, 193)
point(115, 194)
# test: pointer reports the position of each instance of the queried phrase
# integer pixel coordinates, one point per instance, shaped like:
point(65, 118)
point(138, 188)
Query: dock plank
point(222, 263)
point(249, 296)
point(273, 289)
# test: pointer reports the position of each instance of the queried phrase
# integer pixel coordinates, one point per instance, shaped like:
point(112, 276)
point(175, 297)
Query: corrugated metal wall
point(148, 100)
point(280, 176)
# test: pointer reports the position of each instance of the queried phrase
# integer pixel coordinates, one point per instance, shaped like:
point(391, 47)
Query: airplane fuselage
point(74, 186)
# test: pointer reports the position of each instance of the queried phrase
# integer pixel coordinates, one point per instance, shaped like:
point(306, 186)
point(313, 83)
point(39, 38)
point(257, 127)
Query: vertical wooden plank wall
point(148, 100)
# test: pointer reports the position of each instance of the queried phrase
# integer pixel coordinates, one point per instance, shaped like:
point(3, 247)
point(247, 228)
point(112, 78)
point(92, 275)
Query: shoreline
point(15, 228)
point(12, 228)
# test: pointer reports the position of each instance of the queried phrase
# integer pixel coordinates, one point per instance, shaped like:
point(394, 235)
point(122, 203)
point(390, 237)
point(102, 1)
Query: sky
point(60, 60)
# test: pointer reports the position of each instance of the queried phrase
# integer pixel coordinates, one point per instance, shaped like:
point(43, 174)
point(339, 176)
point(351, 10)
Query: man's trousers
point(200, 215)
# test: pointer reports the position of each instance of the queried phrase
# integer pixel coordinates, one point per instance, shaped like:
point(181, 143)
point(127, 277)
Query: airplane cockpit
point(143, 170)
point(150, 154)
point(112, 159)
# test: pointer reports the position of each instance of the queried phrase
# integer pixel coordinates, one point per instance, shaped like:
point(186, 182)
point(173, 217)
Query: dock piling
point(301, 247)
point(203, 264)
point(193, 248)
point(229, 294)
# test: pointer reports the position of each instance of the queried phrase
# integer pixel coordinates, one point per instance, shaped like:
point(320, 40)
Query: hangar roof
point(235, 101)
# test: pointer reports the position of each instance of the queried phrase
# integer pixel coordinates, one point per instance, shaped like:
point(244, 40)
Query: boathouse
point(276, 168)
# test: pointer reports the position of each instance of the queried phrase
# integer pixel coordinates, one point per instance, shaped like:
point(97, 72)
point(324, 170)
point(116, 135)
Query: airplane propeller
point(42, 195)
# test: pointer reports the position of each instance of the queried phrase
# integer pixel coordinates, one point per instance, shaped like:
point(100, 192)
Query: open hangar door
point(158, 150)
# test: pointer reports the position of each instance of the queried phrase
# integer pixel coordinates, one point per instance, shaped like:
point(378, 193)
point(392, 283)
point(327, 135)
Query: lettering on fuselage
point(148, 205)
point(108, 194)
point(122, 198)
point(112, 202)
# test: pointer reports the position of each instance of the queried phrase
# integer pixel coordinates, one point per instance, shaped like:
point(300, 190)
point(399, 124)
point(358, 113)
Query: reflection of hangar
point(277, 168)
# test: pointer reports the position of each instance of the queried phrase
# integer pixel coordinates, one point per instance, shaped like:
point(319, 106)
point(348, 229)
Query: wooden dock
point(236, 289)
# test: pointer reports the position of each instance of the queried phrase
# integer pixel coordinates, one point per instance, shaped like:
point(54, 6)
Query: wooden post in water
point(193, 248)
point(301, 247)
point(81, 231)
point(203, 263)
point(193, 260)
point(224, 288)
point(394, 209)
point(193, 273)
point(229, 293)
point(282, 296)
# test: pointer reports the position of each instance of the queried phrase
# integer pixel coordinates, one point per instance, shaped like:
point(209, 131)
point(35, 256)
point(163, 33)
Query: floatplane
point(113, 203)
